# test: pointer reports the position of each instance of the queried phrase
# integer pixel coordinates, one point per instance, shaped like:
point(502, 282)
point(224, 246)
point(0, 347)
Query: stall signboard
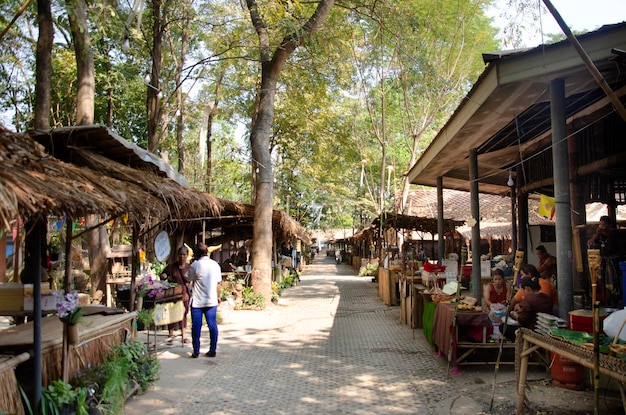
point(167, 313)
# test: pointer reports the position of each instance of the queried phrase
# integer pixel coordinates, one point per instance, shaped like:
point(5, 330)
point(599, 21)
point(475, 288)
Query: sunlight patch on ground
point(308, 399)
point(167, 355)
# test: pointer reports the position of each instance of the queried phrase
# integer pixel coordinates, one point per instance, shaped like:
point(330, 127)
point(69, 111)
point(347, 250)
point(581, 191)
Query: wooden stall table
point(112, 286)
point(99, 329)
point(528, 341)
point(10, 396)
point(164, 311)
point(476, 325)
point(388, 286)
point(411, 301)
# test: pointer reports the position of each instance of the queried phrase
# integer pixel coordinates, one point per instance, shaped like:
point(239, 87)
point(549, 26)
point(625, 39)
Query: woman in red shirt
point(496, 291)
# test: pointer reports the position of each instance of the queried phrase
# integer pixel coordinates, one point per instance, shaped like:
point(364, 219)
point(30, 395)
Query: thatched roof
point(32, 182)
point(178, 201)
point(235, 222)
point(101, 139)
point(101, 149)
point(109, 177)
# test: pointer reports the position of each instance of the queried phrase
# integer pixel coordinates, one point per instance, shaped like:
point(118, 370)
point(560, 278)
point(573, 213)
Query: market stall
point(528, 341)
point(99, 329)
point(473, 332)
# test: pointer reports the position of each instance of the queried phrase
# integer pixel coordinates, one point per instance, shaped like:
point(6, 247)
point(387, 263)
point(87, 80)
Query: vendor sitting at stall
point(496, 291)
point(545, 285)
point(525, 312)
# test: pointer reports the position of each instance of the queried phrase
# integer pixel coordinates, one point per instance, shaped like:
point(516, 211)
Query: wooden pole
point(453, 337)
point(67, 285)
point(594, 261)
point(521, 383)
point(16, 251)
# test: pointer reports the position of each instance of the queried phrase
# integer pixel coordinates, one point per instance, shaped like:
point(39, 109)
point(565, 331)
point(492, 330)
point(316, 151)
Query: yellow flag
point(546, 207)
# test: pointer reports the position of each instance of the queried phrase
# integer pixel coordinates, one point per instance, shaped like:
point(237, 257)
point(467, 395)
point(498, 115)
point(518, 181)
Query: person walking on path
point(205, 276)
point(175, 273)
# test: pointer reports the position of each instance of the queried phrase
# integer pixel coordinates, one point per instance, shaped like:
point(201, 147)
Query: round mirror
point(162, 246)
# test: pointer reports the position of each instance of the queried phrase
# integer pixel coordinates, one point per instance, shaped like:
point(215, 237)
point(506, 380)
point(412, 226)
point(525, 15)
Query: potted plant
point(70, 314)
point(60, 398)
point(54, 247)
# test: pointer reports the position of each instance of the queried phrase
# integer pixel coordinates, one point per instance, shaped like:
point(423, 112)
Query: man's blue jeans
point(210, 314)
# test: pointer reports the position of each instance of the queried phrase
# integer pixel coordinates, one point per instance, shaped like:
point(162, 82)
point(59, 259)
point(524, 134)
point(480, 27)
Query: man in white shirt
point(205, 276)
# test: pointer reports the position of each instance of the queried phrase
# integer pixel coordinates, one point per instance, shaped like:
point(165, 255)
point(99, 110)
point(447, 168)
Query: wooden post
point(594, 260)
point(67, 285)
point(523, 372)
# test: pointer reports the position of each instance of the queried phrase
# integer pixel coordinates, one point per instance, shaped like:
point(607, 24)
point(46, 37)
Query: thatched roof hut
point(32, 182)
point(100, 149)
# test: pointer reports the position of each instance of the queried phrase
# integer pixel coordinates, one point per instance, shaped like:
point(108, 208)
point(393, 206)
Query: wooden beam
point(604, 163)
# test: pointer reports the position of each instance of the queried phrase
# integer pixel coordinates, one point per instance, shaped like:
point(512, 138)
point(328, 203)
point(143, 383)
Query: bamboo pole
point(521, 385)
point(67, 286)
point(453, 337)
point(594, 261)
point(499, 358)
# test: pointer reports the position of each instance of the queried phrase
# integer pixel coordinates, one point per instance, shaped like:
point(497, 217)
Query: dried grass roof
point(178, 201)
point(33, 182)
point(236, 221)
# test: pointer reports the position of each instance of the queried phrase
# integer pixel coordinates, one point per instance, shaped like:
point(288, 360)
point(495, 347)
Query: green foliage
point(251, 301)
point(225, 291)
point(286, 281)
point(142, 367)
point(158, 267)
point(277, 289)
point(368, 270)
point(61, 396)
point(127, 364)
point(145, 316)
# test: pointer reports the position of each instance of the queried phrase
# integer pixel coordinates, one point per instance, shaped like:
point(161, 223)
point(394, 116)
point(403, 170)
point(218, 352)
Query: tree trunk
point(180, 104)
point(271, 66)
point(209, 131)
point(85, 95)
point(153, 106)
point(44, 65)
point(97, 239)
point(261, 250)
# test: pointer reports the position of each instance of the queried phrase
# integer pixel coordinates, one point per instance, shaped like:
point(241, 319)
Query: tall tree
point(43, 73)
point(271, 62)
point(85, 82)
point(97, 239)
point(154, 92)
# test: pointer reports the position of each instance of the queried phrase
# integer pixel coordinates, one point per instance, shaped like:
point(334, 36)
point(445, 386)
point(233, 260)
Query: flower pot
point(72, 333)
point(139, 303)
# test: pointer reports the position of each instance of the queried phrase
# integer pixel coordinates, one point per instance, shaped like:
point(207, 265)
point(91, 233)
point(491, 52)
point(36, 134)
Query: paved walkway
point(329, 347)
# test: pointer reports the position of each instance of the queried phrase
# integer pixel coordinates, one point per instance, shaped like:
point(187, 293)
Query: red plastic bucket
point(567, 374)
point(582, 320)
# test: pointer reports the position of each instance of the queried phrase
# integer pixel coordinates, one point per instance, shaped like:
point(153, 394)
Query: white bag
point(613, 323)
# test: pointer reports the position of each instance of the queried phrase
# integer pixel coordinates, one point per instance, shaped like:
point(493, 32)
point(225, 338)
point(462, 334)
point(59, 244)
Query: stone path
point(329, 347)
